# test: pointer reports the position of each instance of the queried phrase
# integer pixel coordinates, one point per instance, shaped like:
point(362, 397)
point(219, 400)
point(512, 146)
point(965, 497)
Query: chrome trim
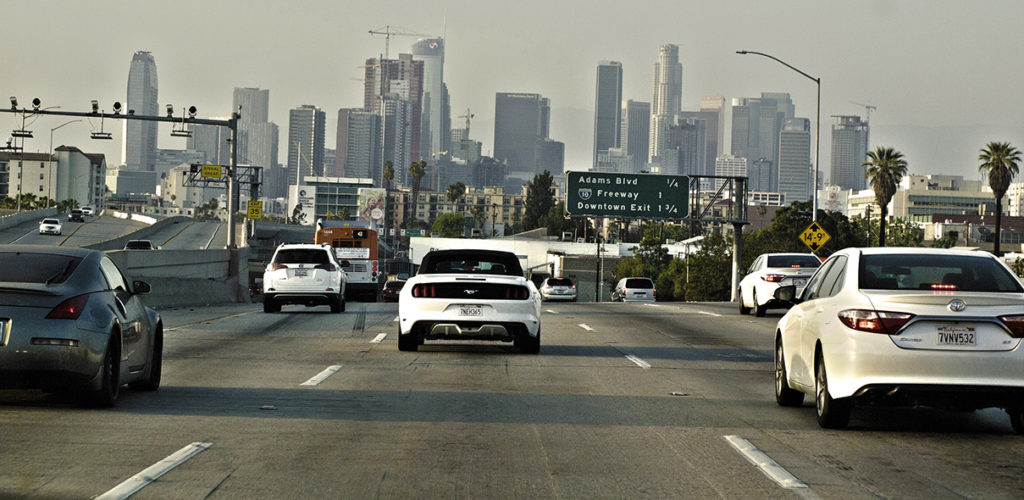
point(955, 319)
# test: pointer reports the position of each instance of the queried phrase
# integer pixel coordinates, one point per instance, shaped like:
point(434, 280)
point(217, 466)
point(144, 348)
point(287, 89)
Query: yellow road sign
point(210, 171)
point(255, 210)
point(814, 236)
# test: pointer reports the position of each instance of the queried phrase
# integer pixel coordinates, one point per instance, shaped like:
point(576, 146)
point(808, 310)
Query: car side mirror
point(786, 294)
point(141, 287)
point(346, 263)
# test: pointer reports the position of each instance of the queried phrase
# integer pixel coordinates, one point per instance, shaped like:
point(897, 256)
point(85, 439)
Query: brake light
point(69, 309)
point(1015, 324)
point(424, 291)
point(866, 320)
point(326, 267)
point(773, 278)
point(275, 266)
point(937, 286)
point(654, 292)
point(517, 292)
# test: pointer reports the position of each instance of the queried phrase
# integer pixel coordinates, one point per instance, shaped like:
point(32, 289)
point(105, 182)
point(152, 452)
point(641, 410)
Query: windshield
point(639, 283)
point(793, 261)
point(471, 262)
point(36, 267)
point(560, 282)
point(302, 256)
point(936, 272)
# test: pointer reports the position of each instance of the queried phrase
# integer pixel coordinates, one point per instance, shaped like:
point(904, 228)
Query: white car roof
point(916, 251)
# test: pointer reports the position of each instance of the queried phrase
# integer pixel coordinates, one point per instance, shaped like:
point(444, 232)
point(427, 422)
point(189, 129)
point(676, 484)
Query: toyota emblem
point(957, 305)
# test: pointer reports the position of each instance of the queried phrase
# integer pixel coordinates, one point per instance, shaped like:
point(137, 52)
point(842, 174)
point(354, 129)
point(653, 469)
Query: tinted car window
point(639, 283)
point(489, 263)
point(811, 290)
point(936, 272)
point(792, 261)
point(302, 256)
point(396, 285)
point(833, 279)
point(560, 282)
point(51, 221)
point(113, 275)
point(138, 245)
point(36, 267)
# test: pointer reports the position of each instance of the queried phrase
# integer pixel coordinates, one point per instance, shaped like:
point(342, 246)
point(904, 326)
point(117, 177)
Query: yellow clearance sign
point(210, 171)
point(814, 236)
point(255, 210)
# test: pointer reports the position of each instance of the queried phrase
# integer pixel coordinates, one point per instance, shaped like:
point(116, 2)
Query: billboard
point(371, 203)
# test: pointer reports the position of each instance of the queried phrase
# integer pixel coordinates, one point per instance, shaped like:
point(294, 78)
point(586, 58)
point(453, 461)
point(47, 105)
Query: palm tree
point(886, 167)
point(389, 174)
point(416, 171)
point(999, 161)
point(454, 193)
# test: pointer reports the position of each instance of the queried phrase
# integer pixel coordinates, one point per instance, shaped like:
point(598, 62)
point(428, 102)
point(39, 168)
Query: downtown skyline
point(920, 80)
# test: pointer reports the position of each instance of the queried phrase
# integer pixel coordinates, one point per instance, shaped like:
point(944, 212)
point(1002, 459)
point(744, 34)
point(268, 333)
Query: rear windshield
point(560, 282)
point(394, 284)
point(138, 245)
point(936, 272)
point(491, 263)
point(51, 221)
point(639, 283)
point(793, 261)
point(302, 256)
point(36, 267)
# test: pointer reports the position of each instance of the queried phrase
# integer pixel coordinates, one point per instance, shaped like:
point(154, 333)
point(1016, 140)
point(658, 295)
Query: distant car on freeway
point(558, 289)
point(304, 273)
point(905, 327)
point(71, 322)
point(139, 245)
point(50, 226)
point(76, 215)
point(88, 211)
point(635, 290)
point(391, 290)
point(767, 273)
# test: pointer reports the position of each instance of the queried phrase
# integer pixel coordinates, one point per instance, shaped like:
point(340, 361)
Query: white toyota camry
point(905, 327)
point(470, 295)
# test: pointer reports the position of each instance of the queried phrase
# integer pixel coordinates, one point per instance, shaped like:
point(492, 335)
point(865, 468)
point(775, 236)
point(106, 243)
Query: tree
point(416, 171)
point(389, 174)
point(1000, 162)
point(454, 193)
point(449, 226)
point(479, 216)
point(885, 168)
point(539, 199)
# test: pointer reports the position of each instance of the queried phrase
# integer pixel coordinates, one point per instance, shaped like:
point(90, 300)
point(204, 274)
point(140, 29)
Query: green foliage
point(885, 169)
point(539, 199)
point(455, 192)
point(710, 270)
point(1000, 162)
point(449, 226)
point(558, 222)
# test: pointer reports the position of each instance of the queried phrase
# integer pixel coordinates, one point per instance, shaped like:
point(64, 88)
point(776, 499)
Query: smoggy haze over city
point(944, 75)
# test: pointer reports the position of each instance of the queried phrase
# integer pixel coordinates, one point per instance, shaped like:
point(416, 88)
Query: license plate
point(956, 335)
point(470, 310)
point(301, 272)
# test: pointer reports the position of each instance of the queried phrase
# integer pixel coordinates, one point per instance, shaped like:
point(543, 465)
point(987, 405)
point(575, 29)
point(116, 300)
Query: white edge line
point(379, 338)
point(768, 466)
point(709, 314)
point(639, 362)
point(135, 483)
point(320, 377)
point(550, 311)
point(586, 327)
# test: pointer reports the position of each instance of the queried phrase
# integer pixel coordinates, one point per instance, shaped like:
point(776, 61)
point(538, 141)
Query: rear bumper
point(307, 298)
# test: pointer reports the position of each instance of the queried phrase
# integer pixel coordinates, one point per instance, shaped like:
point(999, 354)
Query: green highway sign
point(637, 196)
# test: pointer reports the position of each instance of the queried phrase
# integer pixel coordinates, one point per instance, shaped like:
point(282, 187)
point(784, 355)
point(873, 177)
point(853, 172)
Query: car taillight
point(654, 292)
point(866, 320)
point(424, 291)
point(326, 267)
point(773, 278)
point(517, 292)
point(69, 309)
point(275, 266)
point(1015, 324)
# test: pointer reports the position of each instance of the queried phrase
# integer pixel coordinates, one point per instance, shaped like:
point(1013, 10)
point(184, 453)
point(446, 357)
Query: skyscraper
point(849, 151)
point(607, 107)
point(520, 120)
point(711, 112)
point(436, 121)
point(636, 133)
point(257, 138)
point(138, 148)
point(305, 142)
point(668, 96)
point(400, 78)
point(756, 125)
point(795, 160)
point(254, 103)
point(358, 144)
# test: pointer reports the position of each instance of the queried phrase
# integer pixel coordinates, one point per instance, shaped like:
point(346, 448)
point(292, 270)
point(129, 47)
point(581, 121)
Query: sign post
point(636, 196)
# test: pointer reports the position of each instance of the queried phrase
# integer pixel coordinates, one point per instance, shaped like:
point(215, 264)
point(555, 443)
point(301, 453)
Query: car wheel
point(743, 307)
point(155, 368)
point(336, 304)
point(759, 310)
point(527, 344)
point(784, 395)
point(1016, 419)
point(110, 383)
point(341, 300)
point(270, 305)
point(832, 413)
point(407, 342)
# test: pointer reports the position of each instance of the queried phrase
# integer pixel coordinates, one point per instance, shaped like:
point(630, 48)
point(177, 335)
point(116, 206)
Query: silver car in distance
point(903, 327)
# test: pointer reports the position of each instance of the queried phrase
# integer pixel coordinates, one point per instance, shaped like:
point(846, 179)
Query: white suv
point(304, 274)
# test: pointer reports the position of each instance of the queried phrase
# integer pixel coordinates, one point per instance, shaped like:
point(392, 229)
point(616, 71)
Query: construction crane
point(468, 116)
point(386, 31)
point(867, 110)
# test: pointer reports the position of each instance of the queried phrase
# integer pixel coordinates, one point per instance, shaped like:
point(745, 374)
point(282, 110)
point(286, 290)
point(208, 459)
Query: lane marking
point(379, 338)
point(769, 467)
point(216, 229)
point(550, 311)
point(652, 305)
point(394, 320)
point(639, 362)
point(586, 327)
point(320, 377)
point(211, 320)
point(710, 314)
point(135, 483)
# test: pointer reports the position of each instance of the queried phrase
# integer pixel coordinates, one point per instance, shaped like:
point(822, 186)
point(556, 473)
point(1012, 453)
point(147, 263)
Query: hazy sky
point(945, 75)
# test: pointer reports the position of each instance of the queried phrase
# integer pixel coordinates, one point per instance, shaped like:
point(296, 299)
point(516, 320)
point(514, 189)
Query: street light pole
point(50, 182)
point(817, 127)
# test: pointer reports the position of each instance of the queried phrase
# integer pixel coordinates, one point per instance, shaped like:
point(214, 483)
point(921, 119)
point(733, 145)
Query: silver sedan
point(70, 321)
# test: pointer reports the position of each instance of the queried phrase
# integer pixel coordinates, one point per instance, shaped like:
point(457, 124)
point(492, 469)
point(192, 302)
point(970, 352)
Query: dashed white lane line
point(586, 327)
point(710, 314)
point(135, 483)
point(320, 377)
point(639, 362)
point(768, 466)
point(550, 311)
point(379, 338)
point(652, 305)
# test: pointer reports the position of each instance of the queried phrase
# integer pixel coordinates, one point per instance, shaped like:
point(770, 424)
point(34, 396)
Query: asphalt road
point(624, 400)
point(183, 235)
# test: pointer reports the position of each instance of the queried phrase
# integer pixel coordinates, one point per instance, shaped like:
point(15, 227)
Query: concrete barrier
point(187, 277)
point(31, 215)
point(141, 234)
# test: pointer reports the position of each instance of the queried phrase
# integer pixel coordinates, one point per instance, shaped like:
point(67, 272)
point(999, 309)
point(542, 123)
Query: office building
point(305, 142)
point(398, 113)
point(849, 152)
point(520, 122)
point(436, 115)
point(400, 78)
point(253, 104)
point(667, 98)
point(795, 160)
point(358, 144)
point(614, 161)
point(756, 126)
point(729, 166)
point(213, 141)
point(607, 107)
point(636, 133)
point(258, 138)
point(711, 112)
point(138, 147)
